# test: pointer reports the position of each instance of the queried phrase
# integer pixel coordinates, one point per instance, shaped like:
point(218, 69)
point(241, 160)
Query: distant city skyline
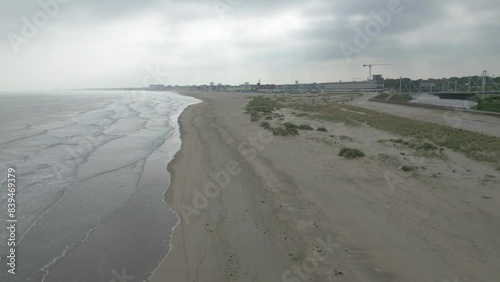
point(61, 44)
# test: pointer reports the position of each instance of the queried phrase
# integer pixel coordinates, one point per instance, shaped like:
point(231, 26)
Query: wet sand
point(255, 207)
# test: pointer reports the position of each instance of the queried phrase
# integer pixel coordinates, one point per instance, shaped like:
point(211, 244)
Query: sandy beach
point(258, 207)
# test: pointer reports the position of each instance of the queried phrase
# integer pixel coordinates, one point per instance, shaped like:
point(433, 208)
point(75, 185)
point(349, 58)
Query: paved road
point(489, 125)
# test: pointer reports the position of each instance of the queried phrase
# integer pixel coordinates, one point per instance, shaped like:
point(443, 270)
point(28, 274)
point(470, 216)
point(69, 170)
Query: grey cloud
point(326, 24)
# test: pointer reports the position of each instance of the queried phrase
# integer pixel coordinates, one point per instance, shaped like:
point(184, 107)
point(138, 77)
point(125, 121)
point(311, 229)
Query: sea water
point(91, 174)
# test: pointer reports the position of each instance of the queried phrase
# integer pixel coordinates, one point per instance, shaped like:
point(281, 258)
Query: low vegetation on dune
point(345, 138)
point(426, 146)
point(425, 137)
point(285, 131)
point(399, 141)
point(288, 129)
point(350, 153)
point(265, 125)
point(305, 127)
point(290, 125)
point(474, 145)
point(335, 119)
point(407, 168)
point(254, 118)
point(260, 106)
point(490, 104)
point(422, 147)
point(322, 129)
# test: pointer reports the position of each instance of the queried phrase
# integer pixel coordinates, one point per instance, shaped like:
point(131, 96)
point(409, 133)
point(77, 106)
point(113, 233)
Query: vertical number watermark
point(11, 219)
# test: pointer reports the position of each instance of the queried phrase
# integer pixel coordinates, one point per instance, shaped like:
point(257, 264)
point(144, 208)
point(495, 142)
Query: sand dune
point(257, 207)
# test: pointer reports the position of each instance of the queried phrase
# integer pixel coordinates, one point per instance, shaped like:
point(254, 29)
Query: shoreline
point(170, 175)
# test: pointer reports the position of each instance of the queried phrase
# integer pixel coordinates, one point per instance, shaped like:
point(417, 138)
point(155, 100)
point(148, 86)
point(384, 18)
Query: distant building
point(267, 88)
point(379, 78)
point(353, 86)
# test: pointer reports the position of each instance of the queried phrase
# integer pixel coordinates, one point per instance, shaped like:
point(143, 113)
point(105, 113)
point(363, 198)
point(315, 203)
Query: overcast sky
point(121, 43)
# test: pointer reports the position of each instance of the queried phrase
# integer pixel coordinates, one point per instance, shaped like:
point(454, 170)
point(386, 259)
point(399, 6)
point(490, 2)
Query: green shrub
point(350, 153)
point(265, 125)
point(269, 118)
point(255, 118)
point(290, 125)
point(345, 138)
point(279, 131)
point(407, 168)
point(491, 104)
point(474, 145)
point(284, 131)
point(263, 105)
point(305, 127)
point(427, 147)
point(322, 129)
point(292, 131)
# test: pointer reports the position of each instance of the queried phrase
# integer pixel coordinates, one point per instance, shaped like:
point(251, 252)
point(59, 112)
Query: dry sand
point(292, 210)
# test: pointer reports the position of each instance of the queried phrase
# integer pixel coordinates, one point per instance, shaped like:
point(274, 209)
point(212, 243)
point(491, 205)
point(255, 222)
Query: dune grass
point(350, 153)
point(489, 104)
point(285, 131)
point(305, 127)
point(261, 104)
point(407, 168)
point(474, 145)
point(265, 125)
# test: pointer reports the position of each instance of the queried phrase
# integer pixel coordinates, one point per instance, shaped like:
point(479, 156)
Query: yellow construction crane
point(370, 67)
